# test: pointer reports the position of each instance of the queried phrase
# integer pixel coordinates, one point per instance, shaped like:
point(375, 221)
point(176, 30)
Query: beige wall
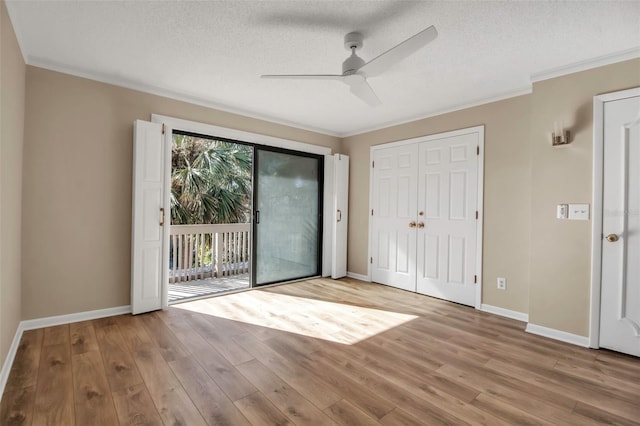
point(507, 178)
point(77, 186)
point(12, 83)
point(561, 250)
point(546, 261)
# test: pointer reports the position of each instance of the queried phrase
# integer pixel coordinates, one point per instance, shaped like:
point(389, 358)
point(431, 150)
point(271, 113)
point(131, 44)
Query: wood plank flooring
point(313, 353)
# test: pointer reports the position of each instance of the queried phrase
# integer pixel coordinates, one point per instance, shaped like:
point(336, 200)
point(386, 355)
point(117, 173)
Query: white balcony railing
point(208, 251)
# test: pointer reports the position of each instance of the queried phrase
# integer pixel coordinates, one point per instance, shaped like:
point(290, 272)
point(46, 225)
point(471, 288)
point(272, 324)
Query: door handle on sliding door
point(339, 216)
point(257, 216)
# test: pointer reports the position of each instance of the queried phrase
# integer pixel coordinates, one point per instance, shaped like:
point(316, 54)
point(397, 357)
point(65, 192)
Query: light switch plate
point(562, 211)
point(579, 211)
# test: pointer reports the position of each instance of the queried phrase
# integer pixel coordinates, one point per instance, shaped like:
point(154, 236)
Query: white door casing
point(435, 182)
point(340, 217)
point(148, 215)
point(393, 204)
point(619, 239)
point(447, 202)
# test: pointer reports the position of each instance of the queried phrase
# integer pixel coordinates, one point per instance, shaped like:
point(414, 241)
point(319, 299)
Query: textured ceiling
point(213, 52)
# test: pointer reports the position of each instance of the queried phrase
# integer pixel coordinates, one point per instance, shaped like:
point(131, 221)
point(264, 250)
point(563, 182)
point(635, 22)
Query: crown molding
point(575, 67)
point(154, 90)
point(482, 101)
point(166, 93)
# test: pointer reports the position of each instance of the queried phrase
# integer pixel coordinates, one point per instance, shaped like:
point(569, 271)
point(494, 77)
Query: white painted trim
point(8, 361)
point(575, 67)
point(480, 221)
point(358, 276)
point(79, 316)
point(370, 225)
point(563, 336)
point(600, 61)
point(48, 322)
point(327, 226)
point(525, 90)
point(479, 130)
point(596, 222)
point(196, 100)
point(496, 310)
point(17, 30)
point(238, 135)
point(427, 138)
point(167, 93)
point(166, 230)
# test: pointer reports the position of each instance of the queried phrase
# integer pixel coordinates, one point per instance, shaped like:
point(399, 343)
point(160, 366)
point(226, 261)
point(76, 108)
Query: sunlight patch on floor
point(336, 322)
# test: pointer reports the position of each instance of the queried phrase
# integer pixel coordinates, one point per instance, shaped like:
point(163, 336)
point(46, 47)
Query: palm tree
point(210, 181)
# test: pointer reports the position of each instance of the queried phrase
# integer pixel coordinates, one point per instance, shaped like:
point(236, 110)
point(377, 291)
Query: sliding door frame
point(231, 135)
point(255, 223)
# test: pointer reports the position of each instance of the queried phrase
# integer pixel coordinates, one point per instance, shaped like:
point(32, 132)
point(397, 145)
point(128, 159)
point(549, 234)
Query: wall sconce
point(560, 135)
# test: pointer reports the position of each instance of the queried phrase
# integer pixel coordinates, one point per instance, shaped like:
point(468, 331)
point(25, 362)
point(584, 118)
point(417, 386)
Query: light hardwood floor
point(314, 352)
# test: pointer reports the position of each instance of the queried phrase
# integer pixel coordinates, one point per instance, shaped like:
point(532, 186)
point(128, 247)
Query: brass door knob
point(412, 224)
point(420, 224)
point(612, 238)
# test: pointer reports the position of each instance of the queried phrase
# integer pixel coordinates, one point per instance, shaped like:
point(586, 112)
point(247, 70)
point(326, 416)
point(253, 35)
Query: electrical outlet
point(501, 283)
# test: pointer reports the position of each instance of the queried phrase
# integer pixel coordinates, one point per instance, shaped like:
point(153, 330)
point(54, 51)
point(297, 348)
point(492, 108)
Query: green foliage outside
point(210, 181)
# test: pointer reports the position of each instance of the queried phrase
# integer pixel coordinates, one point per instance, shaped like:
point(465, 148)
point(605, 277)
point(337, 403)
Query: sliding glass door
point(287, 215)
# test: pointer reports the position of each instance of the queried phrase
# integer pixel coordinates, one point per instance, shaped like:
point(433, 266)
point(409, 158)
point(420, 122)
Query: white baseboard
point(358, 276)
point(520, 316)
point(48, 322)
point(79, 316)
point(8, 361)
point(563, 336)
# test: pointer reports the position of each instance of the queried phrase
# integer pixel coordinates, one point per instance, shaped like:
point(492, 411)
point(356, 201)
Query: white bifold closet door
point(446, 223)
point(424, 228)
point(393, 216)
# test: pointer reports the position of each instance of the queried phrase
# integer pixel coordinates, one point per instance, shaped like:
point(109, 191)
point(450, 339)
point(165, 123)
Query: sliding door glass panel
point(287, 216)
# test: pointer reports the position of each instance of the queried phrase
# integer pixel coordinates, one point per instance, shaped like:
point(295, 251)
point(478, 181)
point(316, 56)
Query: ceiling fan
point(355, 71)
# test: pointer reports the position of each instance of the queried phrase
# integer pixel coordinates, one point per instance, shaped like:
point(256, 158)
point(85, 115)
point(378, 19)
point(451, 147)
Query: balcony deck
point(208, 259)
point(186, 290)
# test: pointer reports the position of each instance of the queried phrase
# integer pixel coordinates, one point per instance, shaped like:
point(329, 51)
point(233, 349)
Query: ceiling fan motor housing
point(352, 64)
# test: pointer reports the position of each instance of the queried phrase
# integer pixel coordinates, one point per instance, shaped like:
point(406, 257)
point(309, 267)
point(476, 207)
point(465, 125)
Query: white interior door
point(620, 282)
point(148, 218)
point(447, 220)
point(340, 216)
point(393, 216)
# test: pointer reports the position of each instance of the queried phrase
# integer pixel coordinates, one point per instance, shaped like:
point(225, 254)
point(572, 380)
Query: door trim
point(596, 223)
point(479, 130)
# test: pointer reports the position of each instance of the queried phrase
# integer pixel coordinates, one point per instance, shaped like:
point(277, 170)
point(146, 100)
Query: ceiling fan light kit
point(355, 70)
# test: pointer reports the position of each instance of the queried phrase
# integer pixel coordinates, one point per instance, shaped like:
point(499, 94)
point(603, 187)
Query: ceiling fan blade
point(382, 62)
point(304, 76)
point(362, 90)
